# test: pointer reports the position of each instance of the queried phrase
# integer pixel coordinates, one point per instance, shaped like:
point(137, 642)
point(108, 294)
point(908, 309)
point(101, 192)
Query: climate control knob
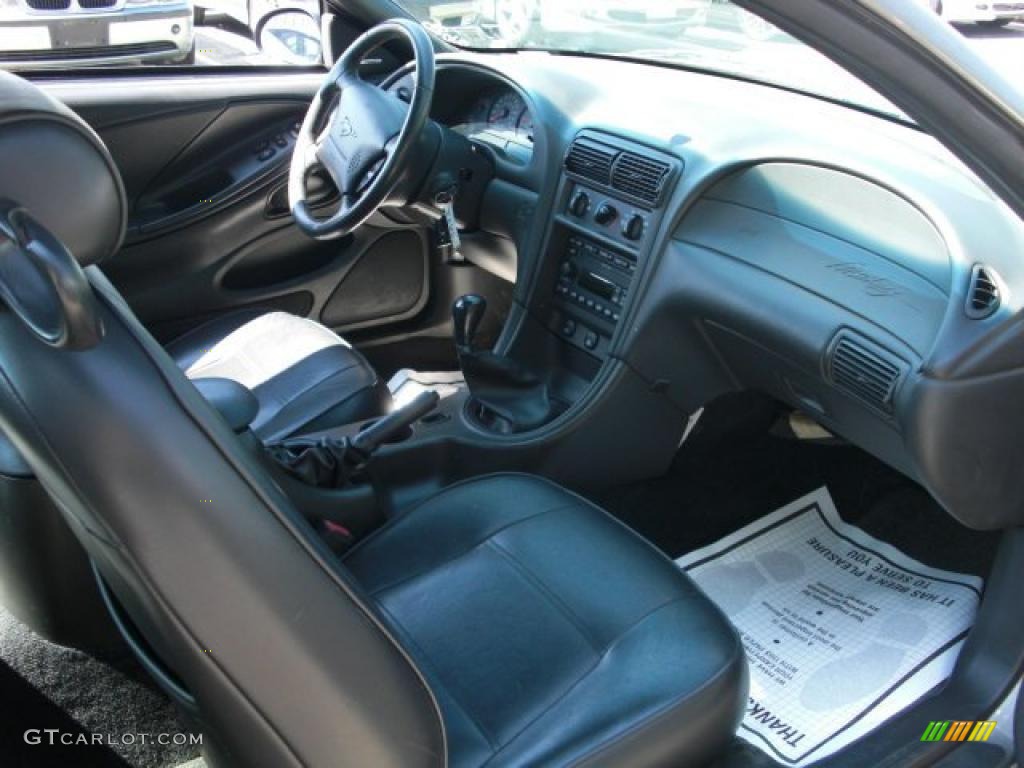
point(605, 214)
point(579, 205)
point(633, 228)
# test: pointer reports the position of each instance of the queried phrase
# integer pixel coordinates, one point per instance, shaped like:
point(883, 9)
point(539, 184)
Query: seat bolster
point(670, 692)
point(186, 349)
point(305, 377)
point(333, 387)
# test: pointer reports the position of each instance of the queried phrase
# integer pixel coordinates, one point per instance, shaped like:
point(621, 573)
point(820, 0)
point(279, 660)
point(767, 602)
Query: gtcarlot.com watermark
point(55, 736)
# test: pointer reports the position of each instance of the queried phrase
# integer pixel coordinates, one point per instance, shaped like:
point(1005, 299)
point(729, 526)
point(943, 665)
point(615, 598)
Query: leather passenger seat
point(502, 622)
point(550, 633)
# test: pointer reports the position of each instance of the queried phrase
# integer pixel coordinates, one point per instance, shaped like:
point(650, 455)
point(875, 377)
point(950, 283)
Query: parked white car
point(954, 11)
point(254, 14)
point(968, 11)
point(512, 21)
point(46, 33)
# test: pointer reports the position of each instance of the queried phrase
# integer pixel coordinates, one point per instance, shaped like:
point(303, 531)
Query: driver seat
point(305, 377)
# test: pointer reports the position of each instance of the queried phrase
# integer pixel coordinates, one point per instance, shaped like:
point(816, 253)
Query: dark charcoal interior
point(285, 465)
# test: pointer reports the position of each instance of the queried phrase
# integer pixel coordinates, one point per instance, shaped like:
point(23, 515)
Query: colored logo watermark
point(55, 736)
point(958, 730)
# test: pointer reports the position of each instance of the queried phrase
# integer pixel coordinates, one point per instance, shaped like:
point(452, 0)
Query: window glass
point(70, 34)
point(705, 34)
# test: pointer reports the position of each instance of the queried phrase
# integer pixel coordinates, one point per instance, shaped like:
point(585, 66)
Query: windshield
point(706, 34)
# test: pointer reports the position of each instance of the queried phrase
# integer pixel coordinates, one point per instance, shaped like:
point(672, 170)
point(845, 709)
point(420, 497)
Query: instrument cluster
point(501, 119)
point(491, 113)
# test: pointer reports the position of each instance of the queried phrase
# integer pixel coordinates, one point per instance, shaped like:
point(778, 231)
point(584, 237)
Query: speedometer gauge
point(505, 113)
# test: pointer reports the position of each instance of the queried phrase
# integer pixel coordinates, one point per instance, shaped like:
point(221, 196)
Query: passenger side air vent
point(640, 177)
point(857, 367)
point(983, 294)
point(591, 160)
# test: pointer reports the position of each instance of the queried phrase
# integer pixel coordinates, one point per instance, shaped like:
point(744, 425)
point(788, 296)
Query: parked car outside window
point(45, 33)
point(71, 34)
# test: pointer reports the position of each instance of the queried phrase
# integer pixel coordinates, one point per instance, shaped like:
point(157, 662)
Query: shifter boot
point(508, 389)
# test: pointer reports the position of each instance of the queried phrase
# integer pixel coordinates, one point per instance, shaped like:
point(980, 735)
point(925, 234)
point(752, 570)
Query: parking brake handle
point(329, 462)
point(378, 433)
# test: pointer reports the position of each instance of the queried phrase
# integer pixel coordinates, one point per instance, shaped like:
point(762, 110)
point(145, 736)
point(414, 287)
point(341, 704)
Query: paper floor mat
point(842, 631)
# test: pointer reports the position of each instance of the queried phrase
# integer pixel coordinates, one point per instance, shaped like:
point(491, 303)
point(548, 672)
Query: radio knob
point(569, 269)
point(633, 228)
point(605, 214)
point(579, 205)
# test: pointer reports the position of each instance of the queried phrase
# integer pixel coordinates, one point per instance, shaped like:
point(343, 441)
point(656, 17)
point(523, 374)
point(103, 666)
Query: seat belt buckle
point(339, 538)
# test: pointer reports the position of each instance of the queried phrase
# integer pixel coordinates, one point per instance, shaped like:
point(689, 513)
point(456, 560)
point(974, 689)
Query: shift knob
point(467, 312)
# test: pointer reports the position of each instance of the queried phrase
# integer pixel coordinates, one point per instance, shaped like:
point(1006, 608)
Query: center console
point(502, 410)
point(608, 208)
point(611, 201)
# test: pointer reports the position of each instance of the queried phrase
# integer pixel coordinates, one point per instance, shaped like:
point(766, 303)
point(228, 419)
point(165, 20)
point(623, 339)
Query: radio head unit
point(591, 290)
point(597, 285)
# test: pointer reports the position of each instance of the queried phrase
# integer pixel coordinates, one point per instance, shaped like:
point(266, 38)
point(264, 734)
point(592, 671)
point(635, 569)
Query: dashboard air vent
point(983, 294)
point(640, 177)
point(863, 372)
point(591, 160)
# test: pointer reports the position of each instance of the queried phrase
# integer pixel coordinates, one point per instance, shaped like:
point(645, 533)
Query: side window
point(72, 34)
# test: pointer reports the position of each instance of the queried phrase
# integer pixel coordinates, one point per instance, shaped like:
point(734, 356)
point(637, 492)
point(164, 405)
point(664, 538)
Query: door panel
point(140, 162)
point(205, 164)
point(389, 284)
point(244, 146)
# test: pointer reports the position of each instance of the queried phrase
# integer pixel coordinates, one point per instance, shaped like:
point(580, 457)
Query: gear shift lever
point(467, 313)
point(509, 397)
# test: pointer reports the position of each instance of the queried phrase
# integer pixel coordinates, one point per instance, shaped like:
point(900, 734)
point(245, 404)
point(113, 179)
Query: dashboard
point(485, 110)
point(844, 263)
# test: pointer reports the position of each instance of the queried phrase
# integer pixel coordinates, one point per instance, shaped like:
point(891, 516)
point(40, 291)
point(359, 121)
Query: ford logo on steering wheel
point(345, 128)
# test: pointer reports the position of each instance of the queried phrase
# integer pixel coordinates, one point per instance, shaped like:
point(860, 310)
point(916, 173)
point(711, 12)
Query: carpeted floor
point(735, 467)
point(741, 463)
point(46, 686)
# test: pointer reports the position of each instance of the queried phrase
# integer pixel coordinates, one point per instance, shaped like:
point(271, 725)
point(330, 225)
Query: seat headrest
point(57, 168)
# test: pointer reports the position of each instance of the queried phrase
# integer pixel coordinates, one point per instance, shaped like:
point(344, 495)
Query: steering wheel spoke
point(360, 134)
point(310, 158)
point(327, 156)
point(346, 78)
point(370, 175)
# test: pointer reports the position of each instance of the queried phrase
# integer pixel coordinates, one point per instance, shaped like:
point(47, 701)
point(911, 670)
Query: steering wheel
point(359, 133)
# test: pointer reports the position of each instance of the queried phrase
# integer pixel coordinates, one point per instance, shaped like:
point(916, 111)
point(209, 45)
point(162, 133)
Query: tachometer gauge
point(524, 126)
point(505, 112)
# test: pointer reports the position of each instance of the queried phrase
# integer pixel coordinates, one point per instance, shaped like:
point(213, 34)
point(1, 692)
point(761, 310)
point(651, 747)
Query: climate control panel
point(609, 216)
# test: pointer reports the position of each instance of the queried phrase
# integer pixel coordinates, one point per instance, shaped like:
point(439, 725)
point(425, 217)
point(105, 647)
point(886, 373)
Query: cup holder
point(399, 437)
